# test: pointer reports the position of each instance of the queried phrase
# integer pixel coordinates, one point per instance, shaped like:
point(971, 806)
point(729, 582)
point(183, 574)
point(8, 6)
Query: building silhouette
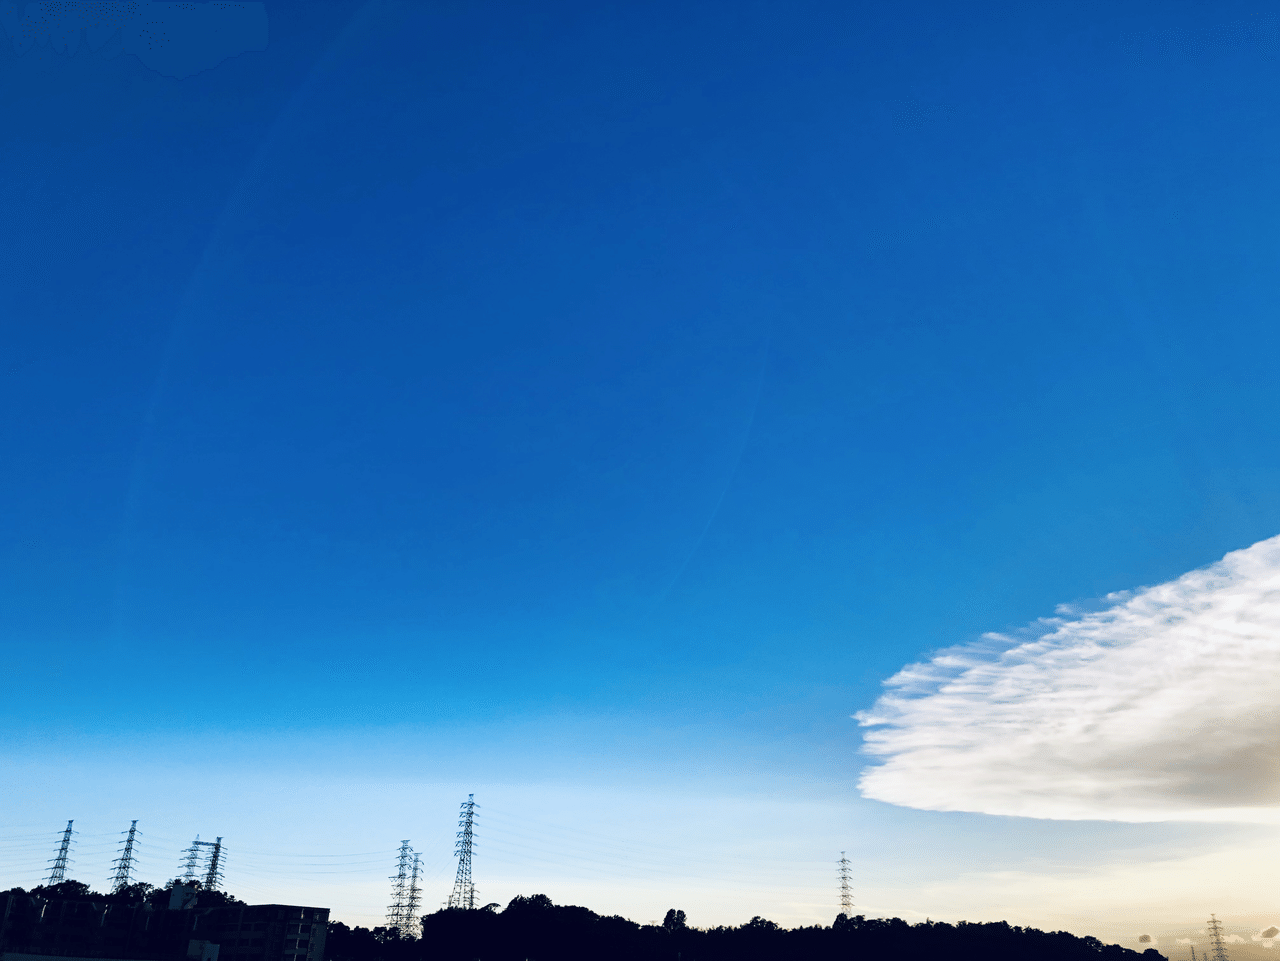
point(176, 925)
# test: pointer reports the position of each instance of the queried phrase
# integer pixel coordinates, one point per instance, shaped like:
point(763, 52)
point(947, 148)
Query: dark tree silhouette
point(66, 890)
point(535, 929)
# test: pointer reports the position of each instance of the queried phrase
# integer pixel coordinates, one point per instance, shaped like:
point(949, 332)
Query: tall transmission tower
point(846, 893)
point(124, 864)
point(197, 861)
point(396, 913)
point(411, 902)
point(1215, 939)
point(464, 892)
point(191, 865)
point(58, 873)
point(213, 874)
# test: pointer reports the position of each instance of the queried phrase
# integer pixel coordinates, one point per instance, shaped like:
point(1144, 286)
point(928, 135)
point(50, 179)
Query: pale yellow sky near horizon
point(317, 838)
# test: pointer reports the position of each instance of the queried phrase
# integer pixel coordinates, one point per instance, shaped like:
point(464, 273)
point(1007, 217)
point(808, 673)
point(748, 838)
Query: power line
point(464, 891)
point(58, 873)
point(124, 863)
point(565, 838)
point(520, 843)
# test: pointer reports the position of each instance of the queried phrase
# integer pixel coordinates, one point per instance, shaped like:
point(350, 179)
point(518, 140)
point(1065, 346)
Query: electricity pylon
point(213, 876)
point(58, 873)
point(192, 863)
point(212, 863)
point(411, 902)
point(846, 893)
point(464, 891)
point(124, 864)
point(1215, 939)
point(400, 913)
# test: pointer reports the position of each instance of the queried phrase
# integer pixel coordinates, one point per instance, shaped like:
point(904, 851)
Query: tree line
point(535, 929)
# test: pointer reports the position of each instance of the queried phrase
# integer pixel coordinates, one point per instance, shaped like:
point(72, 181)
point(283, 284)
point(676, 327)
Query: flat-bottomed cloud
point(1163, 706)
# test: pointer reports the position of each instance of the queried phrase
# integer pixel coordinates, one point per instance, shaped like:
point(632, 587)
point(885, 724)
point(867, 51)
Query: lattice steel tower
point(464, 892)
point(399, 915)
point(192, 863)
point(846, 893)
point(1215, 939)
point(411, 901)
point(58, 873)
point(124, 864)
point(213, 863)
point(213, 874)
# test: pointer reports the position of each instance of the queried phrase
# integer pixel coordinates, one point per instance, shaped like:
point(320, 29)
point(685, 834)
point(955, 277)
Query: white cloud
point(1162, 706)
point(1182, 940)
point(1234, 939)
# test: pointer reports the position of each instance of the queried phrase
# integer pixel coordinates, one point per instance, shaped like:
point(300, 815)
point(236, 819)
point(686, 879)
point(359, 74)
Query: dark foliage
point(212, 899)
point(535, 929)
point(356, 944)
point(66, 890)
point(136, 893)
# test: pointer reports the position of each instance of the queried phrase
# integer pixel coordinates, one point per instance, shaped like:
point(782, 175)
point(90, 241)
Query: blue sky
point(575, 398)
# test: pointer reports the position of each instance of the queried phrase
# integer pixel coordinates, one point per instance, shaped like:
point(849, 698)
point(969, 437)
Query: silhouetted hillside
point(533, 928)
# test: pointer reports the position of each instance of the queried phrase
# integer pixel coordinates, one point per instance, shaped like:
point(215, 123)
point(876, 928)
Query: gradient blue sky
point(577, 398)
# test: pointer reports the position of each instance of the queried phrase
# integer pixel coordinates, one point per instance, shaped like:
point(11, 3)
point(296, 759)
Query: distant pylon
point(464, 891)
point(124, 864)
point(192, 862)
point(846, 893)
point(213, 874)
point(396, 913)
point(212, 863)
point(58, 873)
point(1215, 939)
point(411, 902)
